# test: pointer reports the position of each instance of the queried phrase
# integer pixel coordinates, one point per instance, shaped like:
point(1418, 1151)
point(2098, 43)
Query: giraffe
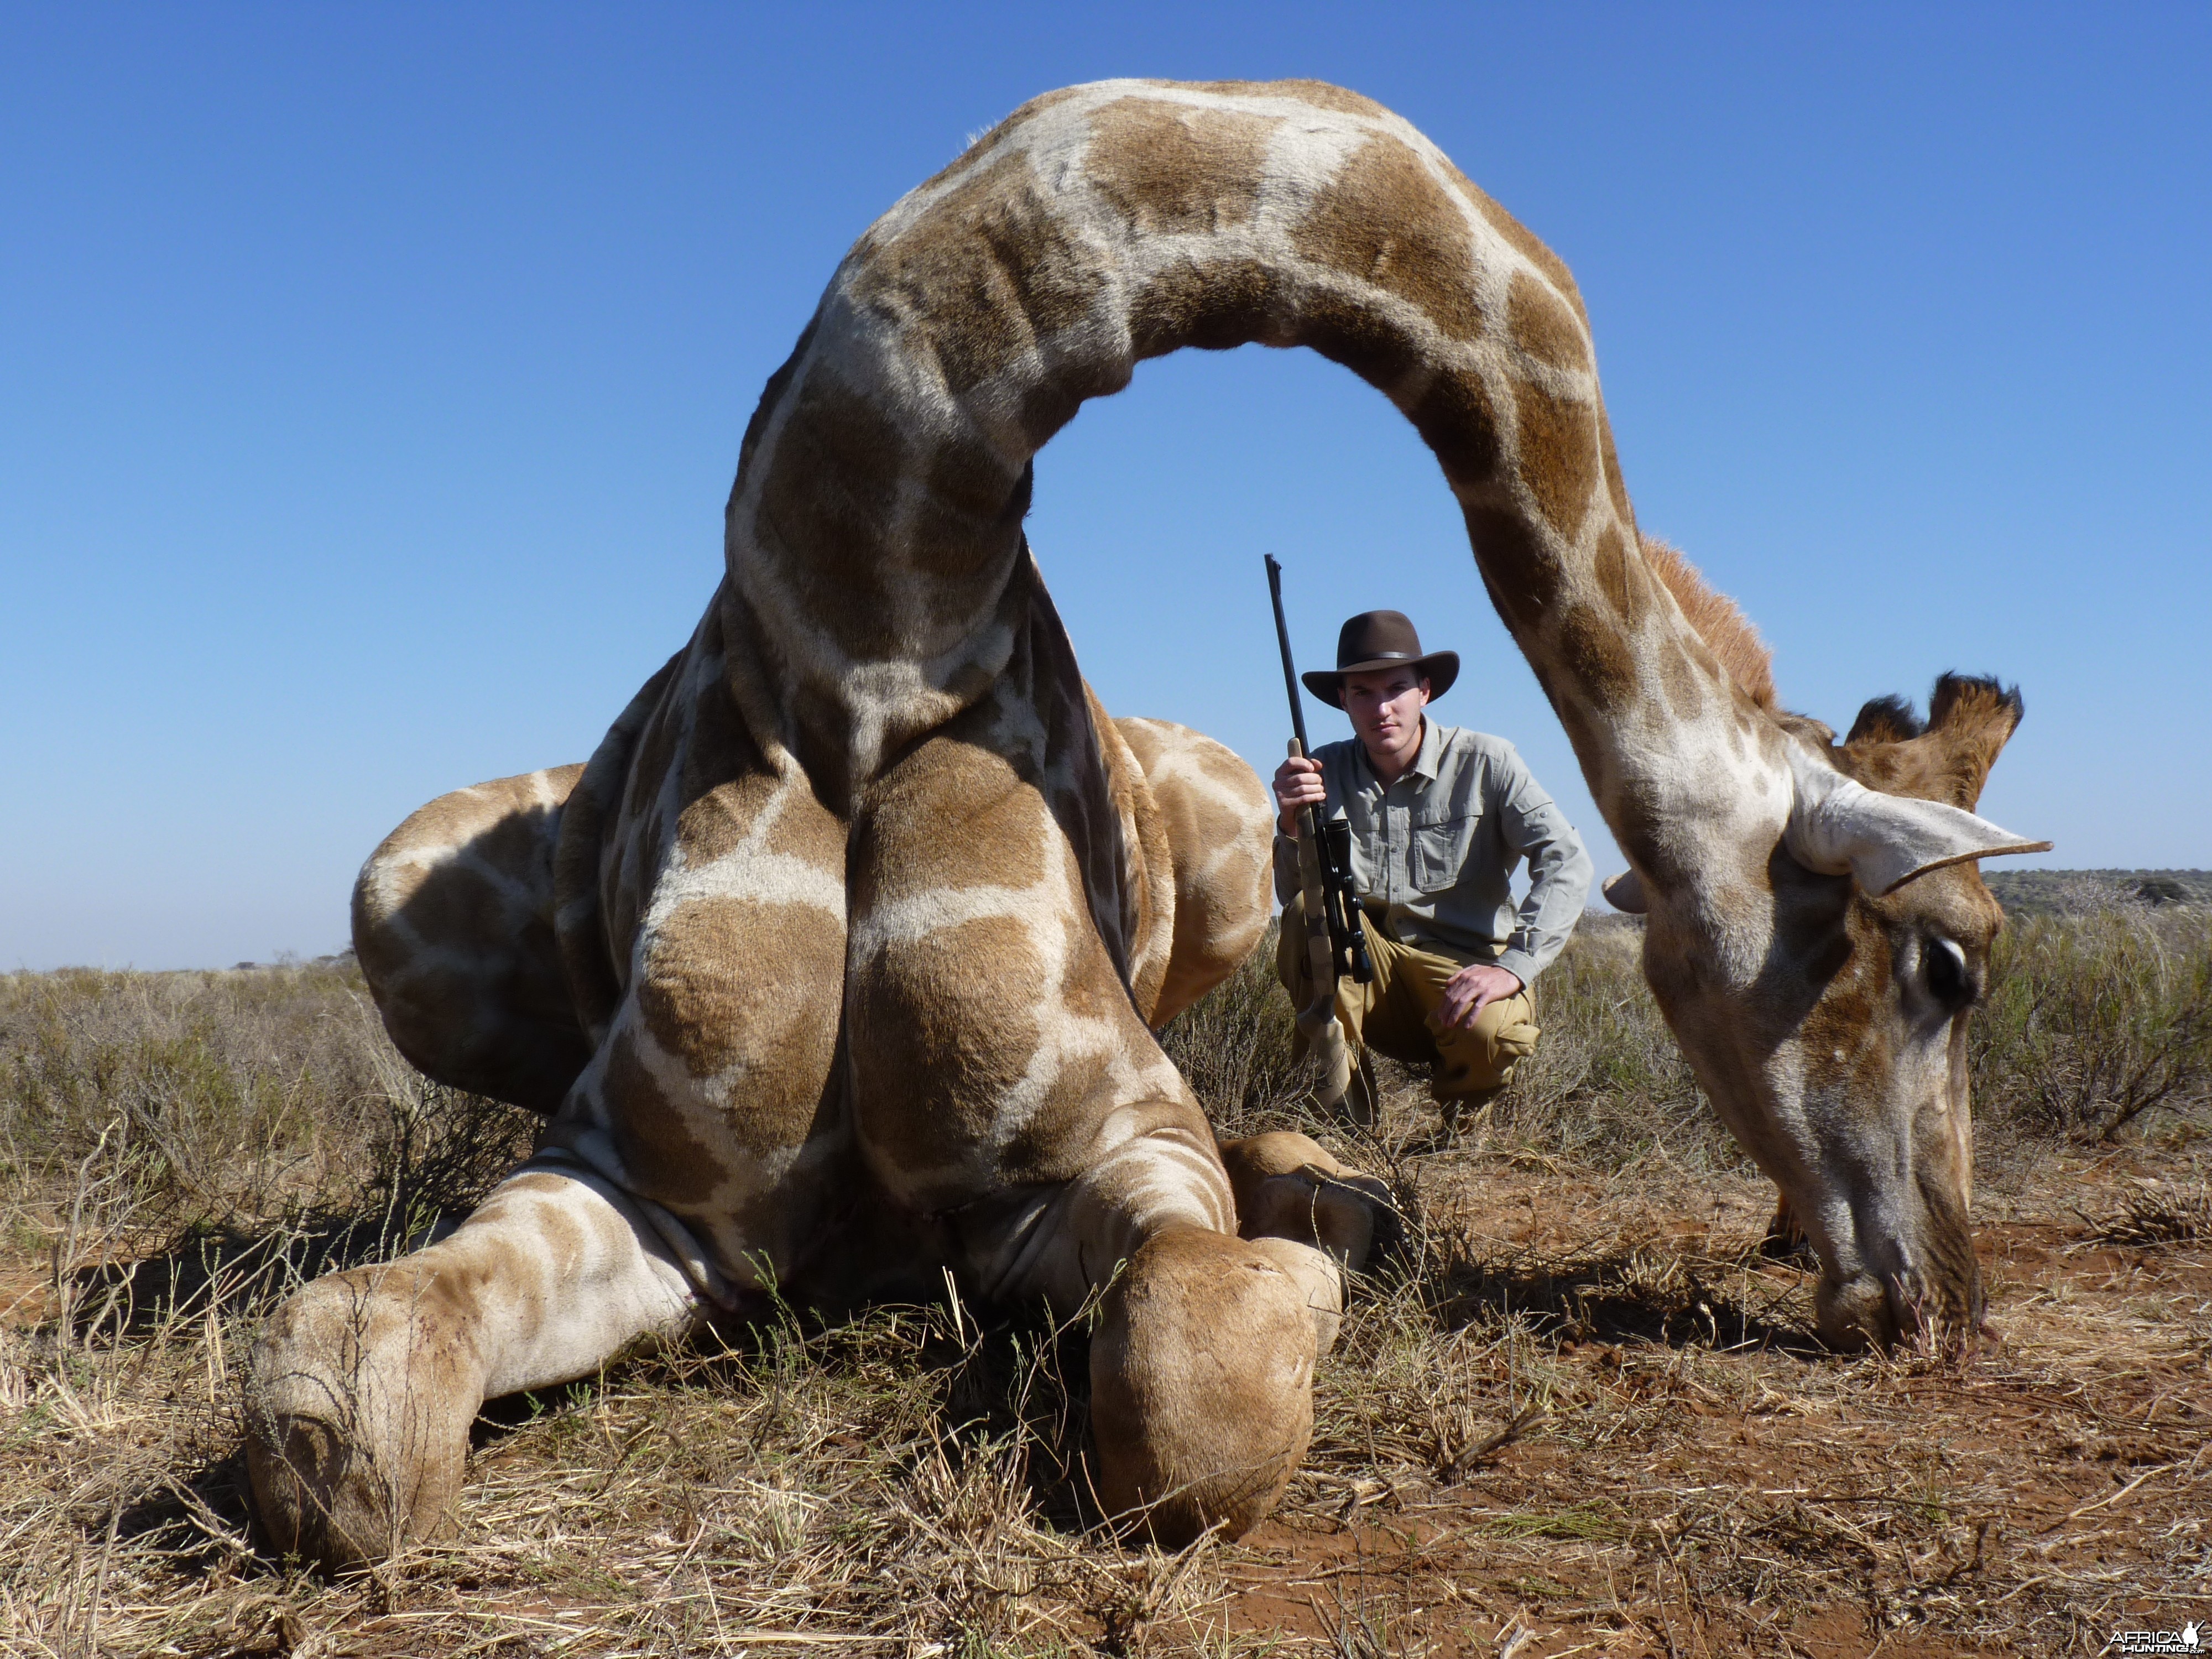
point(857, 931)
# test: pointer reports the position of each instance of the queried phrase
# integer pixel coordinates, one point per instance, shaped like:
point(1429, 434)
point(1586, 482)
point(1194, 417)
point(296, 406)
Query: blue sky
point(371, 378)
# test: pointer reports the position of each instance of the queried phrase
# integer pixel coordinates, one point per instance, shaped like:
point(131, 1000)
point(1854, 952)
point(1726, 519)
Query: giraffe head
point(1839, 1060)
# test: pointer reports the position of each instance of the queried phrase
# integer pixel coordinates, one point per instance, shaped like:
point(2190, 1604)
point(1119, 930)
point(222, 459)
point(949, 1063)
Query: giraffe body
point(453, 923)
point(861, 906)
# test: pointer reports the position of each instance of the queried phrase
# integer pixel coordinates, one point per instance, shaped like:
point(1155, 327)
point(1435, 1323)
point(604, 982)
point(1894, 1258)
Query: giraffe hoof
point(1201, 1387)
point(357, 1443)
point(323, 1499)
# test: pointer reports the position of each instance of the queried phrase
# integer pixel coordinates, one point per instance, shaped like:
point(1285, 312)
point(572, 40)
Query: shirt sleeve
point(1531, 823)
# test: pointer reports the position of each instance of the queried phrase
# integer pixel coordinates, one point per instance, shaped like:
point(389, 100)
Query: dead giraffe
point(875, 766)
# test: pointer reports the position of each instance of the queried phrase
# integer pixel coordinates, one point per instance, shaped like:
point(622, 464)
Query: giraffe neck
point(874, 531)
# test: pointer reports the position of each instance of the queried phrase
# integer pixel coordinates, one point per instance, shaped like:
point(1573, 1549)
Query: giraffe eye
point(1945, 965)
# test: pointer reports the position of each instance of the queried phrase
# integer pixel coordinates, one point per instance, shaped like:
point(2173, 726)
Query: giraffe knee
point(1288, 1186)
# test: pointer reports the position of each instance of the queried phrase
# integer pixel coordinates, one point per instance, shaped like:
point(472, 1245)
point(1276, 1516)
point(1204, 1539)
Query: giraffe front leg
point(1202, 1360)
point(1289, 1186)
point(1201, 1380)
point(1003, 1080)
point(361, 1390)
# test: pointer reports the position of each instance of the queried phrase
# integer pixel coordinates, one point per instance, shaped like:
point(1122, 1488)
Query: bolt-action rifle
point(1336, 940)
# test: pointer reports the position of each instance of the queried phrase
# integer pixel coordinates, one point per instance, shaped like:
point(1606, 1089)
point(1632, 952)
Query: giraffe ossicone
point(835, 964)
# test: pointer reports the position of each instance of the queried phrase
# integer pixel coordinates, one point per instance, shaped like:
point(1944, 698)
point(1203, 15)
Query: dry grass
point(1583, 1414)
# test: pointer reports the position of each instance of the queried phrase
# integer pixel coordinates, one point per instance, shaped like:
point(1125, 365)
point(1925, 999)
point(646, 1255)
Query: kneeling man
point(1440, 816)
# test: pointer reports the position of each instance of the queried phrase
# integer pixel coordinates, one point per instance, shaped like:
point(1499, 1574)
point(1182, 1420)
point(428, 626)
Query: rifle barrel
point(1289, 669)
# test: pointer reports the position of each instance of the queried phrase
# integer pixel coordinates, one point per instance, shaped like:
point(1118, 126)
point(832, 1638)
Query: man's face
point(1385, 705)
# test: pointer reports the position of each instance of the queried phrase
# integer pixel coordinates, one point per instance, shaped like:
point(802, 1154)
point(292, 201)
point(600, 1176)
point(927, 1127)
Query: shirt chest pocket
point(1439, 846)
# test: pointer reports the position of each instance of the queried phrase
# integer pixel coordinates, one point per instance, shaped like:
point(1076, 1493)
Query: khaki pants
point(1397, 1013)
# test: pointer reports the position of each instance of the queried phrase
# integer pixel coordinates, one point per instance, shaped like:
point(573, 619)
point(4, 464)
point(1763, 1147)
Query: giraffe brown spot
point(1519, 237)
point(1049, 403)
point(969, 479)
point(771, 395)
point(961, 773)
point(984, 274)
point(1620, 577)
point(1090, 985)
point(805, 828)
point(1596, 657)
point(457, 906)
point(1455, 419)
point(1170, 169)
point(655, 754)
point(1213, 810)
point(1345, 328)
point(626, 893)
point(665, 1159)
point(1555, 439)
point(982, 146)
point(1680, 677)
point(734, 982)
point(1638, 820)
point(1044, 1149)
point(1520, 572)
point(1214, 305)
point(1582, 736)
point(967, 522)
point(828, 500)
point(1384, 220)
point(1543, 326)
point(941, 1029)
point(589, 969)
point(1148, 867)
point(723, 776)
point(1004, 831)
point(719, 816)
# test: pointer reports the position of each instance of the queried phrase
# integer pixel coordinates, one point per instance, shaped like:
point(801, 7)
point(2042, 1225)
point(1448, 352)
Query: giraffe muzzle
point(1919, 1285)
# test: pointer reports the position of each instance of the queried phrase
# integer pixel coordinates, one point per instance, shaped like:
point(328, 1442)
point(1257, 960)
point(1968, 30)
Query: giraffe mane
point(1727, 632)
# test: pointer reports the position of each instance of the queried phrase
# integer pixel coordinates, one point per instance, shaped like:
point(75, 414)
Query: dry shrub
point(1234, 1045)
point(1607, 1088)
point(187, 1096)
point(168, 1136)
point(2095, 1021)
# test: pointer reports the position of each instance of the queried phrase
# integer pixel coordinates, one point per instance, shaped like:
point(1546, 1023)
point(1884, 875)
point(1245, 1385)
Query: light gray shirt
point(1435, 852)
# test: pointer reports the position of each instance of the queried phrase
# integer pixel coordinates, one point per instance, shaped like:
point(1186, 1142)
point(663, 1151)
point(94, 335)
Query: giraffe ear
point(1626, 892)
point(1839, 827)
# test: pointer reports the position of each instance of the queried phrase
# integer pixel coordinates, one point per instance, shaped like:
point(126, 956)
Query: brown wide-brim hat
point(1380, 638)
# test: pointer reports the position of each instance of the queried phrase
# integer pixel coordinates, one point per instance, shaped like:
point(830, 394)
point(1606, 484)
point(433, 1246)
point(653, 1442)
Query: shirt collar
point(1432, 751)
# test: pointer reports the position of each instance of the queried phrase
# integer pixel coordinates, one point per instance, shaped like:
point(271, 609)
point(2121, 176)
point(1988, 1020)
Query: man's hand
point(1297, 785)
point(1471, 990)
